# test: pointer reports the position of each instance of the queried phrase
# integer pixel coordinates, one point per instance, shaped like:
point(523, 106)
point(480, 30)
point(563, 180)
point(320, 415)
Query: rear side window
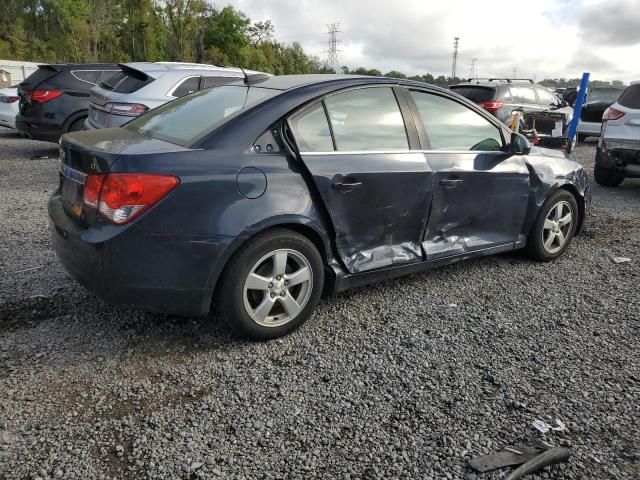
point(208, 82)
point(107, 75)
point(311, 130)
point(546, 98)
point(188, 85)
point(476, 94)
point(453, 126)
point(367, 119)
point(184, 120)
point(89, 76)
point(523, 94)
point(630, 98)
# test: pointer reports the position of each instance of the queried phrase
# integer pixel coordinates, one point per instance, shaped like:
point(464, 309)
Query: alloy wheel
point(557, 227)
point(278, 287)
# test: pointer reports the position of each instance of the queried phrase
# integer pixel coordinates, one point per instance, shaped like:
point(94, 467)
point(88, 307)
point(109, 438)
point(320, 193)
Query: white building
point(18, 70)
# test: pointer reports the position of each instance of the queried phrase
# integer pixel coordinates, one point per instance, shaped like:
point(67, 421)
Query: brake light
point(127, 109)
point(42, 96)
point(491, 106)
point(7, 99)
point(612, 114)
point(121, 197)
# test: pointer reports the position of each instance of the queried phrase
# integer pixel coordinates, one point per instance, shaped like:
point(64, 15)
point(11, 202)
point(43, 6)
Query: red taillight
point(491, 106)
point(612, 114)
point(13, 99)
point(7, 99)
point(127, 109)
point(121, 197)
point(42, 96)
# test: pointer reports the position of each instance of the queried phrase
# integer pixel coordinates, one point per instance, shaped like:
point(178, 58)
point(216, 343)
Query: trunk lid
point(94, 152)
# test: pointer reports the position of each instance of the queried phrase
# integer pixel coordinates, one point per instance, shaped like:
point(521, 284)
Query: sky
point(533, 39)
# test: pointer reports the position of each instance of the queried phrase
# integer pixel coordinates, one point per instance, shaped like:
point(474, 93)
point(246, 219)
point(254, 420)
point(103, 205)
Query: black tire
point(607, 177)
point(229, 299)
point(581, 137)
point(535, 242)
point(77, 125)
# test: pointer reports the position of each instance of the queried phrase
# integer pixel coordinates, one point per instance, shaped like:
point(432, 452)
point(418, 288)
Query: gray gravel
point(403, 379)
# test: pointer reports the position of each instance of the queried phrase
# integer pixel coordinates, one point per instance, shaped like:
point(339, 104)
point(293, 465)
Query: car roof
point(289, 82)
point(154, 67)
point(83, 66)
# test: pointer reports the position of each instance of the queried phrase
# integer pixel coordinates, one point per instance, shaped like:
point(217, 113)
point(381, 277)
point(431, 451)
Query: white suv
point(618, 153)
point(143, 86)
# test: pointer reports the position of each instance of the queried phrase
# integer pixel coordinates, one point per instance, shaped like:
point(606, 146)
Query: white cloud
point(540, 39)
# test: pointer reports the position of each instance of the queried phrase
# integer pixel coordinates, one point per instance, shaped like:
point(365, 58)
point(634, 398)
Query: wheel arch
point(579, 200)
point(301, 225)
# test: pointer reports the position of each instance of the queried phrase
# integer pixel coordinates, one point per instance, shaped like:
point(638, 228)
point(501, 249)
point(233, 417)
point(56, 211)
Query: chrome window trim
point(177, 85)
point(378, 152)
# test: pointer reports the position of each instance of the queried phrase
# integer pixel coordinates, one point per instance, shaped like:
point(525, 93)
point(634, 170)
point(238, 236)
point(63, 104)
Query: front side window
point(188, 85)
point(546, 98)
point(523, 94)
point(311, 130)
point(453, 126)
point(367, 119)
point(208, 82)
point(186, 119)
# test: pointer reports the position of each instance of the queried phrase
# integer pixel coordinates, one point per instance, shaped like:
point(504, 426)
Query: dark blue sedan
point(260, 196)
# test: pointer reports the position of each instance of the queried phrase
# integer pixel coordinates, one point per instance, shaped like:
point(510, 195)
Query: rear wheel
point(554, 227)
point(77, 125)
point(581, 137)
point(271, 286)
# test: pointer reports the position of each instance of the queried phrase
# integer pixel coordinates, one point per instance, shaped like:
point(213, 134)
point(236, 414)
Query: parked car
point(597, 101)
point(54, 99)
point(142, 86)
point(8, 107)
point(618, 152)
point(262, 195)
point(541, 107)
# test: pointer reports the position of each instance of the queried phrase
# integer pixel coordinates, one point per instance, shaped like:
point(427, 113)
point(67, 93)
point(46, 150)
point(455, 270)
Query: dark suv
point(55, 98)
point(502, 96)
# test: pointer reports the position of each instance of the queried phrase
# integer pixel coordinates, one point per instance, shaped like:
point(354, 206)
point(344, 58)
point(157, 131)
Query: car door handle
point(451, 182)
point(345, 187)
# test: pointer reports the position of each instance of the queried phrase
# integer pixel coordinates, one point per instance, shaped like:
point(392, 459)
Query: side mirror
point(519, 144)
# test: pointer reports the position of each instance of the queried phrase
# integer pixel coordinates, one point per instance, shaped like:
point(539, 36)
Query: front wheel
point(554, 227)
point(271, 286)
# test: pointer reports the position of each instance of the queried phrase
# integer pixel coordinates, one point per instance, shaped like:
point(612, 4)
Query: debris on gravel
point(408, 378)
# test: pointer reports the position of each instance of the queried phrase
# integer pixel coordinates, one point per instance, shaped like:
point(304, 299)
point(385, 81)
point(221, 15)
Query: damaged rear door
point(480, 190)
point(376, 190)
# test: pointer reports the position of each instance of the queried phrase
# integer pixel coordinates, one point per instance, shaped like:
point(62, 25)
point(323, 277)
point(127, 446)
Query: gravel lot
point(403, 379)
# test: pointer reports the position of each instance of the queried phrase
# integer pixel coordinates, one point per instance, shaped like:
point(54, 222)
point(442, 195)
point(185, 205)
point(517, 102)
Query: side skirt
point(345, 281)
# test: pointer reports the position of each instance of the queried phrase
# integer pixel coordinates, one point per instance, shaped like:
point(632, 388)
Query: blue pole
point(577, 108)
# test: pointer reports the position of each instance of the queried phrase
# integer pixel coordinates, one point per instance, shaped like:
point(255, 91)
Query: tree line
point(120, 31)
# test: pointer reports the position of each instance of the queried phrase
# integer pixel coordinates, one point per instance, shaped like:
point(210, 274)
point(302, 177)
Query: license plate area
point(72, 190)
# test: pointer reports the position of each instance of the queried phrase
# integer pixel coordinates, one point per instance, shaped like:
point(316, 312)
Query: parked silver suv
point(142, 86)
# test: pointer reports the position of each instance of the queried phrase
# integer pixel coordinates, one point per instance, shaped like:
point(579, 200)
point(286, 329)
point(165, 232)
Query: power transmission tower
point(472, 68)
point(332, 52)
point(456, 41)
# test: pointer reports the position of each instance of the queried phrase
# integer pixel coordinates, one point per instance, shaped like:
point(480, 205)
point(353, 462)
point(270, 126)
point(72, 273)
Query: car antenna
point(246, 77)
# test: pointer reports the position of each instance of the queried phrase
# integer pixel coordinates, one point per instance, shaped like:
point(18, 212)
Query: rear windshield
point(604, 94)
point(184, 120)
point(127, 81)
point(39, 76)
point(476, 94)
point(630, 98)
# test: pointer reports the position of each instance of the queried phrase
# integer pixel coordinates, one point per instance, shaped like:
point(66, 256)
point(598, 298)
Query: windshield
point(184, 120)
point(604, 94)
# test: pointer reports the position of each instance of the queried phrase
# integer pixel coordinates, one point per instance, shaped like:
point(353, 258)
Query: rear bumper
point(128, 266)
point(36, 129)
point(589, 128)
